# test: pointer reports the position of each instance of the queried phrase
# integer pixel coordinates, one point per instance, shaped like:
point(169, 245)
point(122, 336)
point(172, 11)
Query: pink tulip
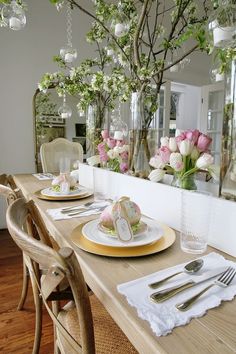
point(156, 162)
point(111, 143)
point(101, 147)
point(124, 155)
point(165, 152)
point(180, 138)
point(105, 134)
point(192, 135)
point(124, 167)
point(104, 157)
point(203, 142)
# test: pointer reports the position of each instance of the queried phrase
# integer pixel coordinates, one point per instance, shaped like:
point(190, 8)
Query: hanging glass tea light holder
point(13, 15)
point(222, 24)
point(68, 53)
point(65, 111)
point(118, 128)
point(120, 25)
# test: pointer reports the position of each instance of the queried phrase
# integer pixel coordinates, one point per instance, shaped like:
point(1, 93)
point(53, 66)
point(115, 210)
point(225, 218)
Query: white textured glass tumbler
point(196, 210)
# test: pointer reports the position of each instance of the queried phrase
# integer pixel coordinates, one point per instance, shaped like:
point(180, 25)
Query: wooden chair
point(82, 326)
point(60, 148)
point(8, 189)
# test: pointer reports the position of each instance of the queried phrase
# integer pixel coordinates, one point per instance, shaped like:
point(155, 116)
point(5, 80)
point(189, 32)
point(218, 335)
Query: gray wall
point(24, 57)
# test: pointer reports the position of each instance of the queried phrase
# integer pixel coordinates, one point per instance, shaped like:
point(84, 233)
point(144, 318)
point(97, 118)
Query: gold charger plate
point(164, 242)
point(59, 197)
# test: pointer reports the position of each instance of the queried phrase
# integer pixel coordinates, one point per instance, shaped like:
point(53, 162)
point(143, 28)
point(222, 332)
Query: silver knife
point(167, 293)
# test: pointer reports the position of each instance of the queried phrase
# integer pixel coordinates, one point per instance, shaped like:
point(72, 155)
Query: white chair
point(52, 153)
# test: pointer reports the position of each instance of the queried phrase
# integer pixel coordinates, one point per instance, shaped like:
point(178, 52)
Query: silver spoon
point(191, 267)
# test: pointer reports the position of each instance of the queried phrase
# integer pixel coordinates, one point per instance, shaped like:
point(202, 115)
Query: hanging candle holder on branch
point(65, 111)
point(13, 16)
point(68, 53)
point(118, 128)
point(222, 24)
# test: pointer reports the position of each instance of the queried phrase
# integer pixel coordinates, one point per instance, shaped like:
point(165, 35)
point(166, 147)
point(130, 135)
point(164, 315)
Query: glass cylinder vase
point(187, 182)
point(142, 140)
point(228, 154)
point(96, 121)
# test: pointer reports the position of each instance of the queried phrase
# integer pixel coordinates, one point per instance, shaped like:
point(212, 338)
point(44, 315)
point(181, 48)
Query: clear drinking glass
point(64, 165)
point(196, 210)
point(99, 185)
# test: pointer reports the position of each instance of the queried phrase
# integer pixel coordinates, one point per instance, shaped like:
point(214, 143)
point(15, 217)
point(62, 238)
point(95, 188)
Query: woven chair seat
point(109, 339)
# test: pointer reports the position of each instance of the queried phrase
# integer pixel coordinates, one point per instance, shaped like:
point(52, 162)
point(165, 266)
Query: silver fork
point(77, 206)
point(224, 280)
point(72, 212)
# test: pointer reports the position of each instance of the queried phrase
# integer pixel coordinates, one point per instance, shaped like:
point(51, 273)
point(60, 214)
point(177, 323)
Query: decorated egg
point(132, 211)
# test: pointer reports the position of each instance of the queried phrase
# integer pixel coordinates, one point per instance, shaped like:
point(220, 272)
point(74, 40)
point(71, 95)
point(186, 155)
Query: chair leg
point(38, 317)
point(25, 286)
point(55, 310)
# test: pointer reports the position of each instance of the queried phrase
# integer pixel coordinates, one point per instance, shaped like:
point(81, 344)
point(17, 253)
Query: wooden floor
point(17, 327)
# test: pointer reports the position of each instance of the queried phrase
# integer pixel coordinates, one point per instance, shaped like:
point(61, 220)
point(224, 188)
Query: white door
point(212, 116)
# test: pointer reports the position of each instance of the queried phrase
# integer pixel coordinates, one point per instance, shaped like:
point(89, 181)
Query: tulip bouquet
point(183, 155)
point(113, 153)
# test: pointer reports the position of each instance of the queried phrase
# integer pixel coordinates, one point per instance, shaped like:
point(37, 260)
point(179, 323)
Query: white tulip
point(156, 162)
point(156, 175)
point(176, 161)
point(93, 160)
point(214, 171)
point(204, 161)
point(118, 149)
point(172, 145)
point(125, 148)
point(112, 154)
point(165, 141)
point(186, 147)
point(178, 132)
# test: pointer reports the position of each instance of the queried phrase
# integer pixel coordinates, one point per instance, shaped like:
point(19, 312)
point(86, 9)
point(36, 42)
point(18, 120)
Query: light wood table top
point(213, 333)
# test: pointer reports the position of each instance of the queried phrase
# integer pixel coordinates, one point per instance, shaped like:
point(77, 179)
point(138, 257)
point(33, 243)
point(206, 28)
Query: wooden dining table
point(214, 332)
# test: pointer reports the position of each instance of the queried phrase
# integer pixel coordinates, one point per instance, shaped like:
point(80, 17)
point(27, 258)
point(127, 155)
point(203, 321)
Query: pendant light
point(13, 16)
point(65, 111)
point(68, 53)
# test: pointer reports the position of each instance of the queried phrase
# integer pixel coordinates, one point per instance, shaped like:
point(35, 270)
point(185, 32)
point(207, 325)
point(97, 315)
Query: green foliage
point(141, 53)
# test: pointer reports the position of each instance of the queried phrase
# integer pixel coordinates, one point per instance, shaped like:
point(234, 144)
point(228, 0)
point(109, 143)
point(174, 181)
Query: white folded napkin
point(43, 176)
point(57, 214)
point(163, 317)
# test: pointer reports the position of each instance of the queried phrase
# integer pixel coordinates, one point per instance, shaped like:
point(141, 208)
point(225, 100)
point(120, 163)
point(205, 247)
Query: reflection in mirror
point(48, 125)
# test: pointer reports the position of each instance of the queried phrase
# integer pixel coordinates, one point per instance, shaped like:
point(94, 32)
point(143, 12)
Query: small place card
point(121, 221)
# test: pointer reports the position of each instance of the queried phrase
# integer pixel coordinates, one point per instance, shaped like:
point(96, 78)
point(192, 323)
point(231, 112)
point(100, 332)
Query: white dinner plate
point(49, 192)
point(153, 233)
